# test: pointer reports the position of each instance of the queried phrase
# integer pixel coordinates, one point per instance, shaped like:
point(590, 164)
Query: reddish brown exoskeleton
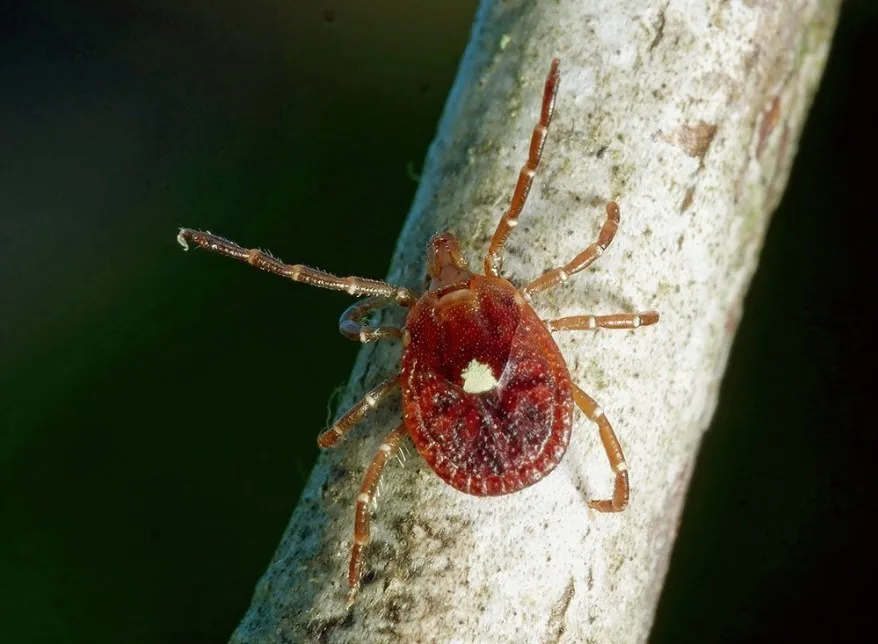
point(487, 396)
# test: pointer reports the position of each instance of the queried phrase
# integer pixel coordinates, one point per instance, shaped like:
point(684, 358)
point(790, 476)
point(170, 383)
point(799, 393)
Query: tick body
point(488, 400)
point(487, 397)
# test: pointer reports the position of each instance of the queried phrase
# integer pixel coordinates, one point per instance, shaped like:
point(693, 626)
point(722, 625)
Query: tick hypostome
point(487, 397)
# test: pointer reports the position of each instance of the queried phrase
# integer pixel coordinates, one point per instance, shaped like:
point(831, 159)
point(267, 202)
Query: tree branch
point(687, 115)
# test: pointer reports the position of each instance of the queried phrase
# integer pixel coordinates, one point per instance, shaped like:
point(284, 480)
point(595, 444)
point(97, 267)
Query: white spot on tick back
point(477, 378)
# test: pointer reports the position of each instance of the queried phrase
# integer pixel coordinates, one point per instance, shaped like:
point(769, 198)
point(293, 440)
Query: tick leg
point(356, 413)
point(351, 325)
point(363, 515)
point(614, 452)
point(581, 261)
point(354, 285)
point(526, 176)
point(594, 322)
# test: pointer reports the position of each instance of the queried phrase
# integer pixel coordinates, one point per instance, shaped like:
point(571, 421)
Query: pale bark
point(688, 114)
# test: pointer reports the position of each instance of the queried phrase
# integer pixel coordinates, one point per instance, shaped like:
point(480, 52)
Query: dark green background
point(158, 409)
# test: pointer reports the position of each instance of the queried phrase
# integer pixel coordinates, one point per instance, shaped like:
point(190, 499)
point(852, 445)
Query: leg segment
point(354, 285)
point(526, 176)
point(581, 261)
point(356, 413)
point(594, 322)
point(363, 516)
point(351, 325)
point(614, 452)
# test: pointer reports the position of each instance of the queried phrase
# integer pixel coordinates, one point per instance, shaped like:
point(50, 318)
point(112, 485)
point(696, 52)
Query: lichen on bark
point(687, 113)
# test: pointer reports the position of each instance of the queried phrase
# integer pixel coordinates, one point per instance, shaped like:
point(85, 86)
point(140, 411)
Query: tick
point(487, 396)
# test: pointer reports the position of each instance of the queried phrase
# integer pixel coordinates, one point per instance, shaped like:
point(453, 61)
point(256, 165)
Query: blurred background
point(158, 410)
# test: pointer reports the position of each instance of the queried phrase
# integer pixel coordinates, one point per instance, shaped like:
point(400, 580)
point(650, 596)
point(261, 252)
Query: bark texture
point(687, 113)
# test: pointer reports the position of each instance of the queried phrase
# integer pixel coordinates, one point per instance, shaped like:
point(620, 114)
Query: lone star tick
point(487, 396)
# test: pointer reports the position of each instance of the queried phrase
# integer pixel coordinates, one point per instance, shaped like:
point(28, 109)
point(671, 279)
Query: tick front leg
point(614, 452)
point(526, 176)
point(594, 322)
point(356, 413)
point(358, 286)
point(363, 516)
point(350, 325)
point(582, 261)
